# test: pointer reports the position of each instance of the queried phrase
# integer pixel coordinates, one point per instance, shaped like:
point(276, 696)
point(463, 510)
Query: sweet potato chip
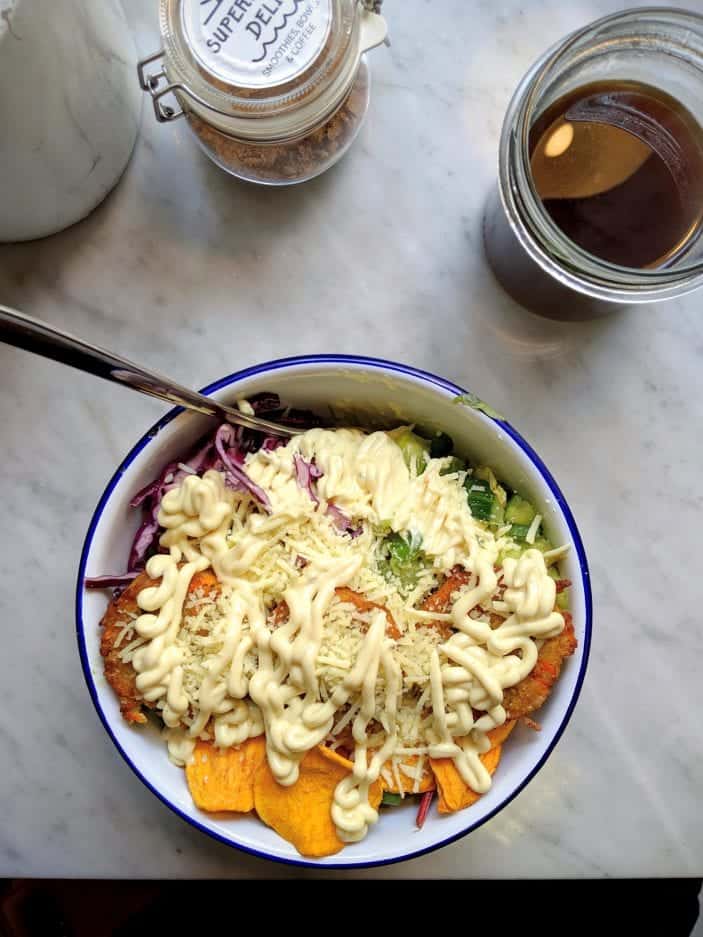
point(375, 791)
point(301, 813)
point(223, 778)
point(454, 792)
point(407, 784)
point(498, 735)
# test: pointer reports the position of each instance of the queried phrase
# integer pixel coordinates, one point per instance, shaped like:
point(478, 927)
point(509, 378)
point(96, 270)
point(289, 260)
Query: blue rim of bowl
point(378, 364)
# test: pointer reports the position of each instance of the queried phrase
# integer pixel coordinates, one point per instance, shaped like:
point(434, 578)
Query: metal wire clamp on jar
point(274, 91)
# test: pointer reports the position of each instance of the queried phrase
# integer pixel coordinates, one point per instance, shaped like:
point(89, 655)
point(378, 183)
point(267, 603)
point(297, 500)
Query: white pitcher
point(69, 110)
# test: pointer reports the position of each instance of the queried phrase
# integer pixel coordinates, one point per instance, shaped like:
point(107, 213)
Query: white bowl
point(375, 391)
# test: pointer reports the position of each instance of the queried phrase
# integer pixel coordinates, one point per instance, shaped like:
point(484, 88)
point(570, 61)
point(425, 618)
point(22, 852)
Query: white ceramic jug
point(69, 110)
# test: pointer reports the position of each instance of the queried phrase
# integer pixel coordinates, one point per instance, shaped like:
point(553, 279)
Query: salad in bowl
point(345, 630)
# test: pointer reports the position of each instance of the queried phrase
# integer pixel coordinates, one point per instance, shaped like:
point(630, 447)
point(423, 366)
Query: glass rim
point(538, 234)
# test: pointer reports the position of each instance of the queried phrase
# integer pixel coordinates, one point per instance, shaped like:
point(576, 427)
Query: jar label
point(256, 43)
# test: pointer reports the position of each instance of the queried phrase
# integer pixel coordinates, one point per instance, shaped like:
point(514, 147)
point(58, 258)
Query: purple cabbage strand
point(223, 450)
point(305, 474)
point(232, 461)
point(342, 522)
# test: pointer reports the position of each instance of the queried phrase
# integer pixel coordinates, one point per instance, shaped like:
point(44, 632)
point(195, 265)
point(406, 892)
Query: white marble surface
point(197, 275)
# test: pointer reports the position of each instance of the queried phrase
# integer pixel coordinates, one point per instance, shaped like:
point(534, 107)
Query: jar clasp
point(153, 83)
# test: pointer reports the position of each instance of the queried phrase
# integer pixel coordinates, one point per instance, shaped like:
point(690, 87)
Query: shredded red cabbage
point(172, 475)
point(342, 522)
point(150, 496)
point(305, 474)
point(272, 442)
point(269, 407)
point(154, 487)
point(425, 802)
point(264, 402)
point(144, 540)
point(235, 475)
point(204, 456)
point(224, 450)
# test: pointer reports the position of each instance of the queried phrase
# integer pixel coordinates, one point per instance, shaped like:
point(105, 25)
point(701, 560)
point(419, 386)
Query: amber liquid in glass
point(619, 168)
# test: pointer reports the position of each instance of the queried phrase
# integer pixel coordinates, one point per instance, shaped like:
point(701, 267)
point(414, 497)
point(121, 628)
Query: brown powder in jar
point(298, 159)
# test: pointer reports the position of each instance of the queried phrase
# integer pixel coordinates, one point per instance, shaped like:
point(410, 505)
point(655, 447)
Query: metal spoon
point(32, 334)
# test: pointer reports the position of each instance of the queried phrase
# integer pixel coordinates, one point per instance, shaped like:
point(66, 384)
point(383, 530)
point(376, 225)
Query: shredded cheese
point(279, 648)
point(533, 528)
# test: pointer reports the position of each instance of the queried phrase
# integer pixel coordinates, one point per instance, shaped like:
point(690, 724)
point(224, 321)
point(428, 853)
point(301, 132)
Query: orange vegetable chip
point(498, 735)
point(301, 813)
point(454, 792)
point(407, 784)
point(223, 778)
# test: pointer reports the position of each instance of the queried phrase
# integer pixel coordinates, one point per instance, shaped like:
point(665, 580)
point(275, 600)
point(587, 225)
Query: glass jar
point(532, 258)
point(274, 91)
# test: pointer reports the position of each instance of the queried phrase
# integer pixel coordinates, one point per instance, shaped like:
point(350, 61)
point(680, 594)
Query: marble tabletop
point(198, 275)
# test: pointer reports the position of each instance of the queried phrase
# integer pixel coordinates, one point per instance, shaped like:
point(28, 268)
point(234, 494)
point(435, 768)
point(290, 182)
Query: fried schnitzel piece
point(279, 614)
point(120, 675)
point(123, 611)
point(532, 692)
point(441, 599)
point(364, 605)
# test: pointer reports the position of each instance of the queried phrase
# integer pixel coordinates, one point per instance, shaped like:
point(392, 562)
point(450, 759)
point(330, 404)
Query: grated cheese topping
point(533, 528)
point(308, 638)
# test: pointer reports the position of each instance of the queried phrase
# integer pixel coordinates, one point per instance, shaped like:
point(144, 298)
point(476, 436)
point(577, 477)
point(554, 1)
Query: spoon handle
point(33, 335)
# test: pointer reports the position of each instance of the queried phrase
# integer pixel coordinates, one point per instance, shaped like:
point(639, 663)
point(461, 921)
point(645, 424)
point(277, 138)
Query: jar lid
point(253, 44)
point(264, 69)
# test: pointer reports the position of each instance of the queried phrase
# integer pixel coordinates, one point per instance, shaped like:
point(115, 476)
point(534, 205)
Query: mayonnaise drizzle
point(260, 678)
